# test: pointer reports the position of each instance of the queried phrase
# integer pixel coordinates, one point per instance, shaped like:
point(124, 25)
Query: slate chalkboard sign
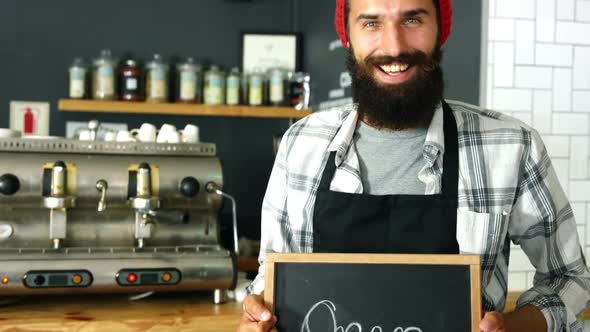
point(374, 292)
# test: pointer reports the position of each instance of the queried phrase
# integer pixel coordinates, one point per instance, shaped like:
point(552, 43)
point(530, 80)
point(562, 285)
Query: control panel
point(143, 277)
point(53, 279)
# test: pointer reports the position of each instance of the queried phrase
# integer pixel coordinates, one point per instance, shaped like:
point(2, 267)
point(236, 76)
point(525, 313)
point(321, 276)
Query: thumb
point(492, 321)
point(254, 306)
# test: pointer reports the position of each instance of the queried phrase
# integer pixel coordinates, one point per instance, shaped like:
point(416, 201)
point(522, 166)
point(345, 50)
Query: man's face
point(391, 28)
point(394, 61)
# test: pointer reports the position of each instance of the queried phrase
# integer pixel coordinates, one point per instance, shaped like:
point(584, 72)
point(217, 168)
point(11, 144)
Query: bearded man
point(404, 171)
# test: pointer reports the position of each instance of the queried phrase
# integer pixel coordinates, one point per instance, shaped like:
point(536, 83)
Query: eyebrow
point(408, 13)
point(415, 12)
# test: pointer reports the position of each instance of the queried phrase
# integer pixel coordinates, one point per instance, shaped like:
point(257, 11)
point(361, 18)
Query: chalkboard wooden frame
point(472, 261)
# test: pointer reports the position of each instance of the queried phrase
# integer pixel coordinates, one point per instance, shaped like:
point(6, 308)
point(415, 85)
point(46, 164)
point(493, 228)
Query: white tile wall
point(553, 55)
point(533, 77)
point(524, 46)
point(562, 89)
point(512, 99)
point(517, 9)
point(562, 169)
point(545, 20)
point(569, 123)
point(579, 190)
point(579, 158)
point(565, 9)
point(581, 101)
point(583, 11)
point(581, 67)
point(542, 111)
point(539, 71)
point(557, 146)
point(503, 64)
point(572, 33)
point(502, 29)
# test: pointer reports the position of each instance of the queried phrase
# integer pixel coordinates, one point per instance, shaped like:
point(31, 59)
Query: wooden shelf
point(75, 105)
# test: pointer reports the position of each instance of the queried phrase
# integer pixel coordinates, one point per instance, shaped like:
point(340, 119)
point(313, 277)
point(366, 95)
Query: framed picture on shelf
point(30, 118)
point(263, 51)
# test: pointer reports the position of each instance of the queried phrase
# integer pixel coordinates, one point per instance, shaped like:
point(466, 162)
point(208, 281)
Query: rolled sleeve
point(543, 224)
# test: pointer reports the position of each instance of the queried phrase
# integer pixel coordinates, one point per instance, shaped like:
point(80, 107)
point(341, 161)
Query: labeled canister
point(156, 80)
point(214, 86)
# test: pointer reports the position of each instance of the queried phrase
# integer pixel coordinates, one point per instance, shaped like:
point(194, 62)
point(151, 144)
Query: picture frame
point(266, 50)
point(30, 118)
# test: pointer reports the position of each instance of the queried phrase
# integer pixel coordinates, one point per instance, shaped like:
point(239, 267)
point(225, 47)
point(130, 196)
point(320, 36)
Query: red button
point(131, 278)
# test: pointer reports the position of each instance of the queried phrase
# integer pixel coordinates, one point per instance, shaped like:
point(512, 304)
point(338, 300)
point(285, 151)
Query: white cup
point(174, 137)
point(85, 135)
point(167, 132)
point(110, 136)
point(146, 133)
point(9, 133)
point(124, 136)
point(166, 127)
point(190, 134)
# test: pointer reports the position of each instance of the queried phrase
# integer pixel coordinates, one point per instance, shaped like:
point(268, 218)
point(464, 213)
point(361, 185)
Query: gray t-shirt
point(390, 160)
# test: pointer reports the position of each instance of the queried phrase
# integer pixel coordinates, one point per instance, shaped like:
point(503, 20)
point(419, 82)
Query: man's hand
point(492, 322)
point(525, 319)
point(256, 316)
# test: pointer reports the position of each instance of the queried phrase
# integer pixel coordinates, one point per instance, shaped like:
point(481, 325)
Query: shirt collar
point(433, 145)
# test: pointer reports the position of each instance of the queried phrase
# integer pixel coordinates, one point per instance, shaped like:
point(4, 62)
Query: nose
point(393, 41)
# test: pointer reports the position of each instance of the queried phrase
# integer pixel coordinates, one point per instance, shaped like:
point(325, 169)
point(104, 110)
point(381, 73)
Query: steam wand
point(212, 188)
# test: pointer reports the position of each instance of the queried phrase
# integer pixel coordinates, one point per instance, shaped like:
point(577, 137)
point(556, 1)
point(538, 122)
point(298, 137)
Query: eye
point(412, 21)
point(371, 24)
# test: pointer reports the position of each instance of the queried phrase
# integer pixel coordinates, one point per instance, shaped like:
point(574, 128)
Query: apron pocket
point(481, 233)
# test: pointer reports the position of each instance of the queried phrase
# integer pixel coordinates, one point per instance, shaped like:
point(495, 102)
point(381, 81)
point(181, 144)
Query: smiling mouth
point(394, 69)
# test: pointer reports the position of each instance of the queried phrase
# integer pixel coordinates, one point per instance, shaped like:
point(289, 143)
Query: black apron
point(418, 224)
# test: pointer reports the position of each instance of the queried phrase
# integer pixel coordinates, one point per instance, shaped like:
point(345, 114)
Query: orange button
point(76, 279)
point(166, 277)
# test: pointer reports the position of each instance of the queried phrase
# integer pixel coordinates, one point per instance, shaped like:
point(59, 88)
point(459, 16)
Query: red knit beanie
point(446, 18)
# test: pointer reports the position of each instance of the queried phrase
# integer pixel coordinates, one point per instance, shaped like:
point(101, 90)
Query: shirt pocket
point(481, 233)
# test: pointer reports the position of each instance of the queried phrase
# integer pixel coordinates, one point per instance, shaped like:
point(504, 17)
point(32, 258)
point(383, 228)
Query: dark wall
point(461, 61)
point(39, 38)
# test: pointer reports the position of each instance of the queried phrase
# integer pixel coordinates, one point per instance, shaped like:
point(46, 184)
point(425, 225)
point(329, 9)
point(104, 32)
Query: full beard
point(406, 105)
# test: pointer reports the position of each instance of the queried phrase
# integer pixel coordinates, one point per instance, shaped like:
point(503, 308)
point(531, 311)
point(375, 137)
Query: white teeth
point(393, 69)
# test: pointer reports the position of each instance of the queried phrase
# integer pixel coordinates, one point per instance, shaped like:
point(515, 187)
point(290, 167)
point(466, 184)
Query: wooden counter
point(161, 312)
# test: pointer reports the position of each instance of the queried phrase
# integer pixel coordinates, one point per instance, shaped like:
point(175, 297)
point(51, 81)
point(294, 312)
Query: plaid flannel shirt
point(508, 191)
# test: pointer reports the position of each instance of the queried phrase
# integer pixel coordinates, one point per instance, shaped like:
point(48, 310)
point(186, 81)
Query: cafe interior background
point(527, 58)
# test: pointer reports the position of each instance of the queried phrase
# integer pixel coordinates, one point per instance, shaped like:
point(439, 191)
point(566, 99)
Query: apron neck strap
point(450, 177)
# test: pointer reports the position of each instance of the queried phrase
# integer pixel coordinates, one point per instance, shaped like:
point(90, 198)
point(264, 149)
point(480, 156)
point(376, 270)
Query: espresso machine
point(111, 217)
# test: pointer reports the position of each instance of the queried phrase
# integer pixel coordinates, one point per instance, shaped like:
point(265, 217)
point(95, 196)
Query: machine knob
point(189, 187)
point(39, 280)
point(9, 184)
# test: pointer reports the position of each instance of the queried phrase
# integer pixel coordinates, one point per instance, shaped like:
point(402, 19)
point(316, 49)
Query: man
point(403, 171)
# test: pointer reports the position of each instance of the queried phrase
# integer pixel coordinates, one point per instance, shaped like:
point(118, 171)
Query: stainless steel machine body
point(84, 217)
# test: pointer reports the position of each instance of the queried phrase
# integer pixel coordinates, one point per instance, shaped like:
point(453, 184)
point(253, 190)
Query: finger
point(492, 321)
point(266, 326)
point(255, 310)
point(253, 327)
